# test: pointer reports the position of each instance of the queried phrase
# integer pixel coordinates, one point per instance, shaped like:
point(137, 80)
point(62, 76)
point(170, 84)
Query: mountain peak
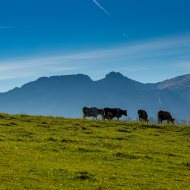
point(114, 75)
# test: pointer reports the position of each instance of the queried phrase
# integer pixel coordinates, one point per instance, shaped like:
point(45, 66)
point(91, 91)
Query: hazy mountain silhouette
point(178, 85)
point(66, 95)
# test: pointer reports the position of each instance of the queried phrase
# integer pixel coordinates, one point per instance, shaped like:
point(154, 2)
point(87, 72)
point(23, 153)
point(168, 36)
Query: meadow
point(39, 152)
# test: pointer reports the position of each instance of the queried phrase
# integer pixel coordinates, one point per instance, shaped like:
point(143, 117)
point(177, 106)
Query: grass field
point(57, 153)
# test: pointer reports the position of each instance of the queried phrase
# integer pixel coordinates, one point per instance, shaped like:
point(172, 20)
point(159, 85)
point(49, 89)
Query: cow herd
point(110, 113)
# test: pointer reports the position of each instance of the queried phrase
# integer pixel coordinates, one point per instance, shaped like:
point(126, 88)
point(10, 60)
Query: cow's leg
point(171, 121)
point(109, 117)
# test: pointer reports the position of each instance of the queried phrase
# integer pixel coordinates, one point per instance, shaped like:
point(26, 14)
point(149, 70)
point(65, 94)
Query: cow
point(143, 116)
point(110, 113)
point(92, 112)
point(164, 115)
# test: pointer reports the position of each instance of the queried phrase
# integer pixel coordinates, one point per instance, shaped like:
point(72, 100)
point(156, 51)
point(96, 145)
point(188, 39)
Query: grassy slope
point(58, 153)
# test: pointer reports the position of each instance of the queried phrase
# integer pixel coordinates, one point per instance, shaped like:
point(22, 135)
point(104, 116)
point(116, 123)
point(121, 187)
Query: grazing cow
point(164, 115)
point(143, 116)
point(110, 113)
point(92, 112)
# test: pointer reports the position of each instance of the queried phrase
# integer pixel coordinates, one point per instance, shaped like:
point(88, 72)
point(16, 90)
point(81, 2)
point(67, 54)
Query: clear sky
point(146, 40)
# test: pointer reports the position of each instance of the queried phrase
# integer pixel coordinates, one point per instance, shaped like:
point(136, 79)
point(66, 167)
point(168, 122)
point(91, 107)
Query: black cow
point(143, 116)
point(164, 115)
point(110, 113)
point(92, 112)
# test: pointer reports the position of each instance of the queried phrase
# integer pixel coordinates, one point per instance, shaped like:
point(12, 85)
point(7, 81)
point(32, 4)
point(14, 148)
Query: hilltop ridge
point(58, 153)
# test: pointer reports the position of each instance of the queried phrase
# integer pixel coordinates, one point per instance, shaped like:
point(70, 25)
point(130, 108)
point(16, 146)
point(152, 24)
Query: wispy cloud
point(101, 7)
point(34, 67)
point(183, 65)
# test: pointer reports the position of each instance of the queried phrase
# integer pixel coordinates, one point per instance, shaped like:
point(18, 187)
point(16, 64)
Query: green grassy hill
point(58, 153)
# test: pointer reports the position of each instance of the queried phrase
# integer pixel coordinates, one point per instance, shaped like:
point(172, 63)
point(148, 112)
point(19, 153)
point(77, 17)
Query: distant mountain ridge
point(178, 85)
point(66, 95)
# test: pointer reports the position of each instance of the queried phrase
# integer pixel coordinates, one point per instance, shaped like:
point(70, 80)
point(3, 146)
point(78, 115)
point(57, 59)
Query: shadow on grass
point(126, 155)
point(84, 175)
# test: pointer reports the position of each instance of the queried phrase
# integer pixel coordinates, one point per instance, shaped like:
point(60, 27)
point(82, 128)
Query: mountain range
point(66, 95)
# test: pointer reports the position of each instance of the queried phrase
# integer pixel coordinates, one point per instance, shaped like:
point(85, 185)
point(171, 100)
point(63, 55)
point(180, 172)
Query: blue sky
point(146, 40)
